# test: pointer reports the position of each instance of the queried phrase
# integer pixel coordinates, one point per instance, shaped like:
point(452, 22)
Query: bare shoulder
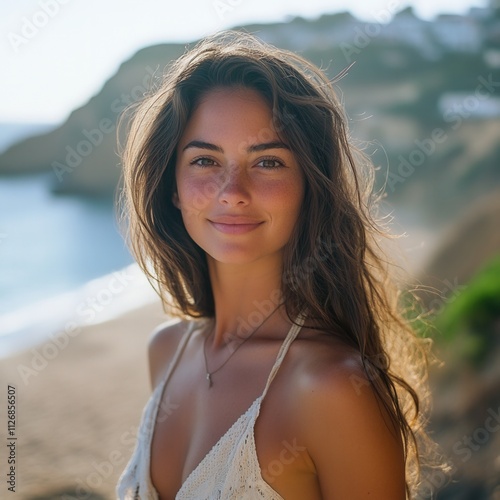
point(356, 450)
point(327, 363)
point(162, 345)
point(335, 382)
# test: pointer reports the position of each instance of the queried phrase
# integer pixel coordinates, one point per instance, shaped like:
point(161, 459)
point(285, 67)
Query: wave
point(97, 301)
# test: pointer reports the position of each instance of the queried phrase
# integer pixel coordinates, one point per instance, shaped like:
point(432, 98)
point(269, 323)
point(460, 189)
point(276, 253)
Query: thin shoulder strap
point(292, 334)
point(180, 349)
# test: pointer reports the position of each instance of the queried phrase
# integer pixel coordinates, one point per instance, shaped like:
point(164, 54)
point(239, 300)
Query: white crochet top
point(230, 470)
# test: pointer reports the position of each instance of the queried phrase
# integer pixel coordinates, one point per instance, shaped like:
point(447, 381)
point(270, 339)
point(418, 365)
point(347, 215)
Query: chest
point(192, 418)
point(266, 448)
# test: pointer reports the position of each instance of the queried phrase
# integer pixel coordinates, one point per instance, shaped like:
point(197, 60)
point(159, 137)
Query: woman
point(249, 210)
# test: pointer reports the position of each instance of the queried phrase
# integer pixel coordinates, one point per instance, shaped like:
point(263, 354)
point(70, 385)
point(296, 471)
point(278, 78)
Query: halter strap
point(291, 335)
point(180, 349)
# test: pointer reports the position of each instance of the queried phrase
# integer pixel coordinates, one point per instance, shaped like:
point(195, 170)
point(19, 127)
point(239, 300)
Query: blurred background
point(424, 95)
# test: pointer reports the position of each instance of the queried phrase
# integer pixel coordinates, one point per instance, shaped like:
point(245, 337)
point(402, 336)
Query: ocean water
point(61, 257)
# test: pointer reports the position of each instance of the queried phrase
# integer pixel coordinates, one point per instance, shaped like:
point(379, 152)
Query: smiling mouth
point(235, 228)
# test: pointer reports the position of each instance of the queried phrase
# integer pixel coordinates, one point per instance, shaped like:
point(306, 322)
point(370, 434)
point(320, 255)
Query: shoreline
point(60, 316)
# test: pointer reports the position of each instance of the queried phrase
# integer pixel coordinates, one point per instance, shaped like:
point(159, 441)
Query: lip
point(234, 224)
point(233, 219)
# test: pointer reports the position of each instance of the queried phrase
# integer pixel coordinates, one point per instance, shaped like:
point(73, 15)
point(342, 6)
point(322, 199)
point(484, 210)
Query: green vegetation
point(470, 322)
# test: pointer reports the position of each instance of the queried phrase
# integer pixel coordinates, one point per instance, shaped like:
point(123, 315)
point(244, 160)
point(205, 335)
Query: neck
point(244, 297)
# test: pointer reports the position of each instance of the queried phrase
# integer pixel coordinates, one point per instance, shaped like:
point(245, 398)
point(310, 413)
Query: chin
point(236, 258)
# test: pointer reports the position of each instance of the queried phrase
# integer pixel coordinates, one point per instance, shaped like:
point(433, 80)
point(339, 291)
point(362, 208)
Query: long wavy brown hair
point(333, 267)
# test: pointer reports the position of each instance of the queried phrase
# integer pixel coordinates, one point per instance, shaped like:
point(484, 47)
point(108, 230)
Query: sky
point(56, 54)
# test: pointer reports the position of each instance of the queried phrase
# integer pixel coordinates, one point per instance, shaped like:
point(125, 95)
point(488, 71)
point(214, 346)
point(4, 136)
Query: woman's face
point(239, 187)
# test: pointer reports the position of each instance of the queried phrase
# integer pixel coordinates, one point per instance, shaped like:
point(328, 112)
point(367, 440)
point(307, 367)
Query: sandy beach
point(77, 408)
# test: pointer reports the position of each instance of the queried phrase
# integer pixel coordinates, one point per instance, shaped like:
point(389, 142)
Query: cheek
point(195, 194)
point(287, 202)
point(294, 193)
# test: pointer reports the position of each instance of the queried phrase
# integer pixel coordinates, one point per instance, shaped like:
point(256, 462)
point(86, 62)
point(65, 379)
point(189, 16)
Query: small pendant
point(209, 378)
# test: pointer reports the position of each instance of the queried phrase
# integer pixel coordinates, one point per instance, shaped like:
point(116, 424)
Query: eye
point(270, 163)
point(203, 161)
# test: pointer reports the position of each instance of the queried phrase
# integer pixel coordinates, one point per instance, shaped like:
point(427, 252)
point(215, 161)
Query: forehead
point(222, 96)
point(229, 113)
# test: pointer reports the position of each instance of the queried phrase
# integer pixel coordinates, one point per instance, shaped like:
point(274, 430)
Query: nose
point(234, 190)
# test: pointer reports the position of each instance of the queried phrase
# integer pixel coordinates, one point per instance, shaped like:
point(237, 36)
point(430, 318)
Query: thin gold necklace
point(209, 373)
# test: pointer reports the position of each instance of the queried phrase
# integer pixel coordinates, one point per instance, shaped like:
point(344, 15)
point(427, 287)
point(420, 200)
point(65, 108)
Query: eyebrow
point(251, 149)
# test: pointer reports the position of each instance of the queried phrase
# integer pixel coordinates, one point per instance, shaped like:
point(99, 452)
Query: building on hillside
point(458, 33)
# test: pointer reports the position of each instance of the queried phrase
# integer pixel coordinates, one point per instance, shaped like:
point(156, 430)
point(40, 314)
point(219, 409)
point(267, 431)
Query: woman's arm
point(357, 452)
